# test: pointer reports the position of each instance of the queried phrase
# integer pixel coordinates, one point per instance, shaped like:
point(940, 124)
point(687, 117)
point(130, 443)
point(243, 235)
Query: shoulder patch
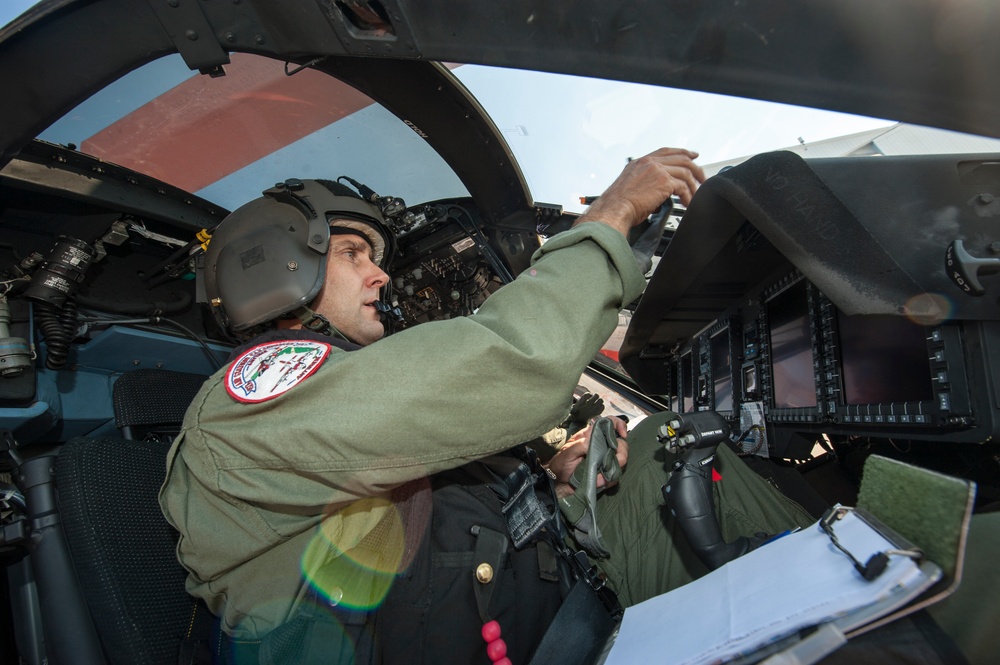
point(272, 369)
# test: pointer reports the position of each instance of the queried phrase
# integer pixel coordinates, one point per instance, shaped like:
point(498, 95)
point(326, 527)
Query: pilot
point(308, 470)
point(346, 498)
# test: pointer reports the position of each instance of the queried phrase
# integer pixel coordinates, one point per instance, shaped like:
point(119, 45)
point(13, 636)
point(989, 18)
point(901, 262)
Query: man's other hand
point(564, 463)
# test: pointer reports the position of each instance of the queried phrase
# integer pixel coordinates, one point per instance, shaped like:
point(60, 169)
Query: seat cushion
point(123, 548)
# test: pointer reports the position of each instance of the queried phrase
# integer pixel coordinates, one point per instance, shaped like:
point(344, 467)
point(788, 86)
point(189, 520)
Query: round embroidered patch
point(272, 369)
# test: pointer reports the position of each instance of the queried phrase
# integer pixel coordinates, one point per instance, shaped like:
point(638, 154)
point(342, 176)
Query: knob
point(964, 269)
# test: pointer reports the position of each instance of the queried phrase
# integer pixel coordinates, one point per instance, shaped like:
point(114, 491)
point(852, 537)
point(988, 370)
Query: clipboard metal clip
point(878, 562)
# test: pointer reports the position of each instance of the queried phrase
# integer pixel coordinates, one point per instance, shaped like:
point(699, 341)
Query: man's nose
point(378, 277)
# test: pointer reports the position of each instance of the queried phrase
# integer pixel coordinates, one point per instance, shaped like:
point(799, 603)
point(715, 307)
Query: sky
point(578, 139)
point(11, 9)
point(600, 124)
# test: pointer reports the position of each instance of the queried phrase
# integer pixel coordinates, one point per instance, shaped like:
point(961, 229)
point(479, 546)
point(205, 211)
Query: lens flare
point(356, 554)
point(928, 309)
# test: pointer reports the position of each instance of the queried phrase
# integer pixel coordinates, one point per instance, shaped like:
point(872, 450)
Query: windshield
point(228, 138)
point(572, 135)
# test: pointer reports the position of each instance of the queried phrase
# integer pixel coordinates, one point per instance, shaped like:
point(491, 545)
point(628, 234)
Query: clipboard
point(900, 602)
point(818, 641)
point(903, 520)
point(936, 510)
point(932, 511)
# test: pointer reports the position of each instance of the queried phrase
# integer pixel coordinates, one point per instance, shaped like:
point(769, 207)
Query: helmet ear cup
point(263, 261)
point(272, 257)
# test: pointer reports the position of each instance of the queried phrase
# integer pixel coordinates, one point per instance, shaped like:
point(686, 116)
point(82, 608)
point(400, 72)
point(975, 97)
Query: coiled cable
point(58, 326)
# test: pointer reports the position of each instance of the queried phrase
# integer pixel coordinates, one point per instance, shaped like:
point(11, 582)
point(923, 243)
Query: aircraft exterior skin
point(849, 303)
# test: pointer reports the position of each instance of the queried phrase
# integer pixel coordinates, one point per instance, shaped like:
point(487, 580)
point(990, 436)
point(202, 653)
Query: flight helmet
point(267, 259)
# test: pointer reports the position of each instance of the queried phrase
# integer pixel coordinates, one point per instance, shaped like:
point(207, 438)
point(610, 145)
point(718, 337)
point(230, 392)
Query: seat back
point(150, 403)
point(123, 549)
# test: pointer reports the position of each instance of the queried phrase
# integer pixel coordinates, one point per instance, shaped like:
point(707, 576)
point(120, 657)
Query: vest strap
point(515, 481)
point(490, 550)
point(579, 631)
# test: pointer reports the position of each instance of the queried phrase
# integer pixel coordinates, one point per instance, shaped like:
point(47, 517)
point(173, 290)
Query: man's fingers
point(686, 183)
point(672, 171)
point(666, 152)
point(644, 185)
point(684, 188)
point(620, 426)
point(622, 453)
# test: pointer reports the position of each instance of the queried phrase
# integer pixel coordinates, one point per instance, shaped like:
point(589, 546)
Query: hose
point(58, 327)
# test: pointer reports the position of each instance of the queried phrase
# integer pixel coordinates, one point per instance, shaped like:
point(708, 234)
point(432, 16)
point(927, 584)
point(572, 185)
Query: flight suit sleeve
point(429, 398)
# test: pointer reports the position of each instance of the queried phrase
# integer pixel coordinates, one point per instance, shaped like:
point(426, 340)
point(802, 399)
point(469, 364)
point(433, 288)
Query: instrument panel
point(739, 320)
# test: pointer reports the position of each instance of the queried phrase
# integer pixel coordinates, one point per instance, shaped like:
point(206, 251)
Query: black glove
point(588, 406)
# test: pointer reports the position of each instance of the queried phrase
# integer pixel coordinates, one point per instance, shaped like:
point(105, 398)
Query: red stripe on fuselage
point(204, 129)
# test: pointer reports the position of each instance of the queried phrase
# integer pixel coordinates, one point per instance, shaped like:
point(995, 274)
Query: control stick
point(688, 491)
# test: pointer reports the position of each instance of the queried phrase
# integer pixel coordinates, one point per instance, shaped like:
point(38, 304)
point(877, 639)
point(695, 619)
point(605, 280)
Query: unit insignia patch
point(269, 370)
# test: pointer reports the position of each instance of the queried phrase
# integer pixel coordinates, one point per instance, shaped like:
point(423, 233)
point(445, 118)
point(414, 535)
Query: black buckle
point(598, 581)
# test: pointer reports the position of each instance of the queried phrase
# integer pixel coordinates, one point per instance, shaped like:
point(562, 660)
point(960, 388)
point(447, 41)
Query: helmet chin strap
point(316, 322)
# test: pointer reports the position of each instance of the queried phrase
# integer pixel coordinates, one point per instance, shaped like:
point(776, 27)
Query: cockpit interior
point(828, 308)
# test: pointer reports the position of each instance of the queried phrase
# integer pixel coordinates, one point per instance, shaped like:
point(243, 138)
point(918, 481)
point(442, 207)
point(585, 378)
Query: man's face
point(351, 289)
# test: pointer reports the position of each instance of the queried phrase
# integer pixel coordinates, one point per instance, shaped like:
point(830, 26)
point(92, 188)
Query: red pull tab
point(496, 648)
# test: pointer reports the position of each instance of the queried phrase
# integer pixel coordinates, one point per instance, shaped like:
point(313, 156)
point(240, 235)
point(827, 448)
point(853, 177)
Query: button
point(944, 401)
point(484, 573)
point(942, 377)
point(920, 418)
point(905, 418)
point(890, 419)
point(867, 419)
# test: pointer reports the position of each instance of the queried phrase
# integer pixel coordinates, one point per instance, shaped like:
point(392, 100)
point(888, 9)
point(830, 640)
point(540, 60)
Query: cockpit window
point(227, 138)
point(573, 135)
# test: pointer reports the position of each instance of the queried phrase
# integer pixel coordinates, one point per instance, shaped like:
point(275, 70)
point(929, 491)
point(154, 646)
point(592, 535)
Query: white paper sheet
point(797, 581)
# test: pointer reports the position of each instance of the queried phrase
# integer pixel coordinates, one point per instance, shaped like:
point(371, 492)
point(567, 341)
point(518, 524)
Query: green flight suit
point(248, 484)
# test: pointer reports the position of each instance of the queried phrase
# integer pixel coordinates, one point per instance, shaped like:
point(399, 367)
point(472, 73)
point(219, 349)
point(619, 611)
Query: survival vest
point(494, 550)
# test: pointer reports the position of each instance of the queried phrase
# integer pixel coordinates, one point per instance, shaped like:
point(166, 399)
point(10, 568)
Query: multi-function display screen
point(793, 378)
point(687, 383)
point(722, 371)
point(884, 359)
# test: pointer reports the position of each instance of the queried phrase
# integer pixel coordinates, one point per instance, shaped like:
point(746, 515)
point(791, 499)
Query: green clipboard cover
point(930, 510)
